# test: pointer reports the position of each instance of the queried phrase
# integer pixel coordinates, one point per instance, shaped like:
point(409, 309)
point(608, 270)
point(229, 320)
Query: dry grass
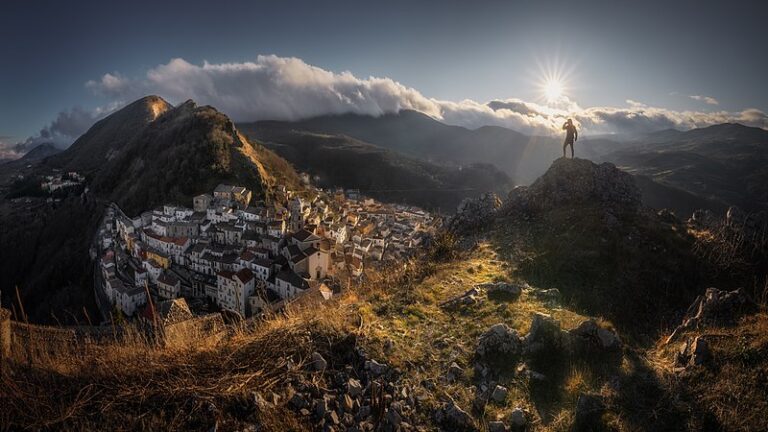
point(396, 316)
point(731, 392)
point(133, 385)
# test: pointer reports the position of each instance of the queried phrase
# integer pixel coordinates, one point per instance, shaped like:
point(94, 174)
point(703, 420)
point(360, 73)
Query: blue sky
point(658, 53)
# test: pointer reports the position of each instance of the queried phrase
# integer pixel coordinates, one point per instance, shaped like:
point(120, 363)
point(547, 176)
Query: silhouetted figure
point(571, 135)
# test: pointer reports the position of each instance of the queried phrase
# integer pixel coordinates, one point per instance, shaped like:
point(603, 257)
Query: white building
point(234, 289)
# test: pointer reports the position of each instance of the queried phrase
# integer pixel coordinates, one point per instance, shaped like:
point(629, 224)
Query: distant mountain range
point(711, 167)
point(723, 164)
point(388, 175)
point(418, 135)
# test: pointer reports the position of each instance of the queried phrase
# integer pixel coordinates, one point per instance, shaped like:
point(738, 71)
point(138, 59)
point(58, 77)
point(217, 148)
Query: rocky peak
point(578, 182)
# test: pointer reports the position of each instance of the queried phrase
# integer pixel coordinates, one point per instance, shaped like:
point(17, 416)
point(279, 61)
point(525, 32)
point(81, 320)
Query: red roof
point(245, 275)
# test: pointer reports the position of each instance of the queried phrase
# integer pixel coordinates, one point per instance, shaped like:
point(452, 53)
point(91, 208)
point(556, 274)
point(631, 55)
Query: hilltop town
point(231, 254)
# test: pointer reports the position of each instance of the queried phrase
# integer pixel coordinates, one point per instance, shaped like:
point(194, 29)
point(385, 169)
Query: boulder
point(498, 343)
point(545, 336)
point(473, 213)
point(700, 353)
point(504, 289)
point(453, 418)
point(547, 295)
point(694, 353)
point(588, 336)
point(499, 394)
point(517, 419)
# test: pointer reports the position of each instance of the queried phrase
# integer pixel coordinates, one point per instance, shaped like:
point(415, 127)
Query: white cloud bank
point(706, 99)
point(279, 88)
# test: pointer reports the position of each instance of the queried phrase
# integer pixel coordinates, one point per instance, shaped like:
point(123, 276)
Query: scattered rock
point(499, 394)
point(715, 307)
point(298, 401)
point(497, 426)
point(354, 388)
point(517, 419)
point(318, 362)
point(545, 336)
point(504, 289)
point(376, 368)
point(498, 341)
point(453, 418)
point(455, 373)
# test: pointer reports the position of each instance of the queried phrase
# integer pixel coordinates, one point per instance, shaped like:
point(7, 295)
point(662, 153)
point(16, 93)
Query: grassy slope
point(135, 386)
point(396, 318)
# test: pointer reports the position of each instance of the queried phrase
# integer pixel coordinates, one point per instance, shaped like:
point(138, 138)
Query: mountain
point(142, 156)
point(417, 135)
point(724, 164)
point(41, 151)
point(340, 160)
point(185, 151)
point(109, 135)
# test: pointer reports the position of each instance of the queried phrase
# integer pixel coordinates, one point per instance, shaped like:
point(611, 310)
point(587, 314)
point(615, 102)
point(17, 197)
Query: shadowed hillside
point(338, 160)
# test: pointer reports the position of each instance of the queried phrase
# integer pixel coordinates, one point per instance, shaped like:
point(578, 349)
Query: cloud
point(61, 132)
point(287, 88)
point(706, 99)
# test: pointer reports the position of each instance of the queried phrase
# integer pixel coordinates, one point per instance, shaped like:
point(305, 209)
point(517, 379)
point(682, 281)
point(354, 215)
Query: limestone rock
point(498, 341)
point(517, 419)
point(472, 213)
point(318, 362)
point(545, 336)
point(577, 181)
point(715, 307)
point(502, 289)
point(588, 336)
point(499, 394)
point(453, 418)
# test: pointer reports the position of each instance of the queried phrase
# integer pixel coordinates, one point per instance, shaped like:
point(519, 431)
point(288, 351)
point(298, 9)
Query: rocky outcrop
point(473, 213)
point(715, 307)
point(694, 353)
point(545, 336)
point(500, 342)
point(502, 289)
point(574, 182)
point(453, 418)
point(590, 338)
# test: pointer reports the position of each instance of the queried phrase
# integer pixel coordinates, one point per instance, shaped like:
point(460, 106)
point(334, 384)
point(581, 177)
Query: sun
point(553, 89)
point(553, 80)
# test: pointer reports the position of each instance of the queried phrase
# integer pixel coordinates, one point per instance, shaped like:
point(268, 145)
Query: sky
point(622, 66)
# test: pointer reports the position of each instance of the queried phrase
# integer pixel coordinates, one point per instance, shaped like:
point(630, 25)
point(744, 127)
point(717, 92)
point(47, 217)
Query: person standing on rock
point(571, 135)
